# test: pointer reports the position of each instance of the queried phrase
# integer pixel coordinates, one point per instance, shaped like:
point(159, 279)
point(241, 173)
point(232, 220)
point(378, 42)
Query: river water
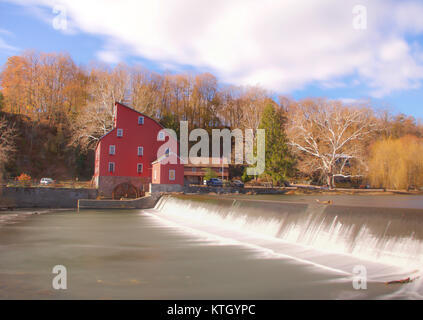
point(192, 247)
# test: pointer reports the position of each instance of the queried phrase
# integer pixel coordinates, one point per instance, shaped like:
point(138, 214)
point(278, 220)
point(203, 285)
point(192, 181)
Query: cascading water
point(332, 236)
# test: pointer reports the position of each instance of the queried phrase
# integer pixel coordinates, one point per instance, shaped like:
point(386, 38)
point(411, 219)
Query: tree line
point(55, 109)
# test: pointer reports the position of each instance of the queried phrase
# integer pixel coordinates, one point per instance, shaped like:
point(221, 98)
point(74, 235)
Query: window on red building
point(140, 120)
point(139, 167)
point(119, 132)
point(140, 151)
point(171, 174)
point(111, 167)
point(112, 149)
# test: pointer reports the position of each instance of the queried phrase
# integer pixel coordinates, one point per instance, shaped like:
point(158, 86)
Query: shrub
point(24, 179)
point(245, 177)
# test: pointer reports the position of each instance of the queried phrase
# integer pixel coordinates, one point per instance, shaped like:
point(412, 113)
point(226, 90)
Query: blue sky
point(295, 48)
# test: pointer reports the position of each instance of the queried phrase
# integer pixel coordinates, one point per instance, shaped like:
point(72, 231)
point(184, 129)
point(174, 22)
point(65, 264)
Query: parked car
point(46, 181)
point(214, 182)
point(238, 183)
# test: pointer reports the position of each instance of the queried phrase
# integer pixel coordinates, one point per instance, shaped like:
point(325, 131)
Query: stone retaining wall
point(43, 197)
point(139, 203)
point(46, 197)
point(157, 188)
point(169, 188)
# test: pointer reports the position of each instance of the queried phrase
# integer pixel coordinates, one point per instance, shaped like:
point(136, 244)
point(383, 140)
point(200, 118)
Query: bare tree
point(254, 102)
point(96, 119)
point(329, 136)
point(91, 124)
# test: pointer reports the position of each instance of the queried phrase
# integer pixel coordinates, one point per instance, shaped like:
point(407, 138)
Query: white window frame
point(140, 148)
point(142, 167)
point(142, 120)
point(113, 165)
point(112, 147)
point(161, 136)
point(174, 175)
point(121, 133)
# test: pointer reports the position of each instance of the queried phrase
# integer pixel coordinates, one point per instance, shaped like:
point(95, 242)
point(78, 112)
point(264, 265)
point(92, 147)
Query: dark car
point(214, 182)
point(238, 183)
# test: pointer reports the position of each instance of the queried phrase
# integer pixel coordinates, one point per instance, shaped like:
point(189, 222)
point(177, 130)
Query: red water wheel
point(125, 190)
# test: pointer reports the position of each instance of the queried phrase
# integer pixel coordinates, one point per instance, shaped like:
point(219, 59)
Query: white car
point(46, 181)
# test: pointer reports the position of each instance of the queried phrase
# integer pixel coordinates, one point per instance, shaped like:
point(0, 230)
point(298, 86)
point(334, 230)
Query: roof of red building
point(124, 105)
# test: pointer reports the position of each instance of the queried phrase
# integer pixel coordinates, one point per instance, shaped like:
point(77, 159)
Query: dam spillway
point(391, 236)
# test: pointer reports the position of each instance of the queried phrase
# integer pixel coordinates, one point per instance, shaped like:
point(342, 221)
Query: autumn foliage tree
point(45, 87)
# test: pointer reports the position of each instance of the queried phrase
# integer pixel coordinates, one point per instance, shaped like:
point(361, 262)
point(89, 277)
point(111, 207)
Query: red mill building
point(124, 156)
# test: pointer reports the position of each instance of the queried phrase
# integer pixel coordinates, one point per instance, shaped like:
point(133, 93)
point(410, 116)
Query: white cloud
point(353, 101)
point(6, 32)
point(3, 44)
point(7, 47)
point(282, 45)
point(108, 56)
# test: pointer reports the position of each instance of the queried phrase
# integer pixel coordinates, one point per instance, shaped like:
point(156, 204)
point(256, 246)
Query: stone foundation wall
point(43, 197)
point(106, 184)
point(156, 188)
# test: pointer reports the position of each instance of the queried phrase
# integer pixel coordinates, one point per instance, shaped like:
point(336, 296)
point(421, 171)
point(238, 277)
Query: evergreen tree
point(245, 177)
point(279, 161)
